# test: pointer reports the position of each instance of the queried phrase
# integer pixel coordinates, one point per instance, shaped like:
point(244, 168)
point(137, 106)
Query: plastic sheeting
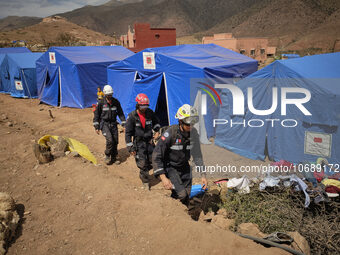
point(242, 184)
point(73, 145)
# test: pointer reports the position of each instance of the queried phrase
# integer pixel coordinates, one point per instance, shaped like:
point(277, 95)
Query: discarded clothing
point(270, 181)
point(279, 237)
point(283, 163)
point(332, 189)
point(242, 184)
point(331, 182)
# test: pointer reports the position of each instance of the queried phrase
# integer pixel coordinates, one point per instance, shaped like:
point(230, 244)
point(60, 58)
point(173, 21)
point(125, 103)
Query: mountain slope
point(55, 30)
point(188, 16)
point(286, 21)
point(15, 22)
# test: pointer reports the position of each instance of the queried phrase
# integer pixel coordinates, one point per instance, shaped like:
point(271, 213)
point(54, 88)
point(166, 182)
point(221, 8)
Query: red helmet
point(142, 99)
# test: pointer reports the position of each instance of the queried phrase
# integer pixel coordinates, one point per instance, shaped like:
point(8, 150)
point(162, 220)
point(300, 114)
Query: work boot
point(115, 161)
point(146, 186)
point(108, 160)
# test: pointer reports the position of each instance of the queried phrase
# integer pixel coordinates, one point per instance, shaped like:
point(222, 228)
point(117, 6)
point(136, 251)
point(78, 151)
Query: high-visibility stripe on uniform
point(158, 170)
point(176, 147)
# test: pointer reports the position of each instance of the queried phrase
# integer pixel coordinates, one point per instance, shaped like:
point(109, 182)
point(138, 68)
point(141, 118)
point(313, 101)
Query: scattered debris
point(282, 210)
point(51, 115)
point(42, 153)
point(58, 147)
point(9, 220)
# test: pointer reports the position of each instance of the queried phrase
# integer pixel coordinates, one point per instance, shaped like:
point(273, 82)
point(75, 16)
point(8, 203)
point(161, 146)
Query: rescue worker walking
point(172, 153)
point(105, 119)
point(139, 136)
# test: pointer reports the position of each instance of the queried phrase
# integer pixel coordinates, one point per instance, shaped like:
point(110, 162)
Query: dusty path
point(73, 207)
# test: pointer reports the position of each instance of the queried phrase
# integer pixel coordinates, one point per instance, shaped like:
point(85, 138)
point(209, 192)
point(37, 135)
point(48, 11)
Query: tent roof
point(14, 50)
point(323, 71)
point(202, 55)
point(92, 54)
point(25, 60)
point(317, 66)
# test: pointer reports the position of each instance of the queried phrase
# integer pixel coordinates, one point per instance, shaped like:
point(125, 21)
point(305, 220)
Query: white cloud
point(42, 8)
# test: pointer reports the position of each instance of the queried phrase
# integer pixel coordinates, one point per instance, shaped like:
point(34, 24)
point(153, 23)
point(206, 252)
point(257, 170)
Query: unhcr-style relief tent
point(2, 57)
point(14, 50)
point(3, 74)
point(69, 76)
point(315, 135)
point(20, 74)
point(164, 74)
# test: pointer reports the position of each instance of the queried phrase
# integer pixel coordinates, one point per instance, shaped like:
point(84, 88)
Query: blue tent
point(20, 68)
point(165, 75)
point(3, 74)
point(2, 57)
point(14, 50)
point(300, 137)
point(69, 76)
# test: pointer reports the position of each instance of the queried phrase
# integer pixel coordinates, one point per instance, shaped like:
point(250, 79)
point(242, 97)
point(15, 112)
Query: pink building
point(253, 47)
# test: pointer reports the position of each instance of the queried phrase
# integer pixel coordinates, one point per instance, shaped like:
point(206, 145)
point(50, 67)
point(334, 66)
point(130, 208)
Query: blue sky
point(42, 8)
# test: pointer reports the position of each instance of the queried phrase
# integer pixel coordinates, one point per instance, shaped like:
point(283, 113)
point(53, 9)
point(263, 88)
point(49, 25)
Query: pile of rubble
point(9, 220)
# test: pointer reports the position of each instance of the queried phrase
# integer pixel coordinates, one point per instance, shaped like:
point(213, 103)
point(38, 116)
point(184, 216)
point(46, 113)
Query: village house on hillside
point(253, 47)
point(143, 36)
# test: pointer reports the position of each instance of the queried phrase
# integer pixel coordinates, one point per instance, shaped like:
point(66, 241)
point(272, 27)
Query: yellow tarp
point(73, 145)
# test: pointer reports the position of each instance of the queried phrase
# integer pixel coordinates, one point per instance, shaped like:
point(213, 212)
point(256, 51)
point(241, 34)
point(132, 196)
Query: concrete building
point(253, 47)
point(143, 36)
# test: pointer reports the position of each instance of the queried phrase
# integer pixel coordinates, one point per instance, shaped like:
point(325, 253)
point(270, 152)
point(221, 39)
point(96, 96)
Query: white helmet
point(108, 90)
point(187, 114)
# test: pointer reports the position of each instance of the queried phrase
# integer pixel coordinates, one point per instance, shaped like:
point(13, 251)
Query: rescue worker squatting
point(139, 128)
point(105, 119)
point(172, 154)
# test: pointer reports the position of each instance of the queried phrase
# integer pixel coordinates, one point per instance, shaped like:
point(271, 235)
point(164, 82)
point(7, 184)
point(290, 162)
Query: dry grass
point(282, 210)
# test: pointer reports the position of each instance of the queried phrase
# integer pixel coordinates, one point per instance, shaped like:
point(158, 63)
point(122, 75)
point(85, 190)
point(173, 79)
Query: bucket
point(196, 190)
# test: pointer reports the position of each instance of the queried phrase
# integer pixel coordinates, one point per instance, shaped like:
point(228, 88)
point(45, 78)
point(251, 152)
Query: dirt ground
point(70, 206)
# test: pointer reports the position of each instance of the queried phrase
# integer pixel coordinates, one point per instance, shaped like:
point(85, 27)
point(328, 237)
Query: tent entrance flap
point(161, 109)
point(51, 88)
point(149, 85)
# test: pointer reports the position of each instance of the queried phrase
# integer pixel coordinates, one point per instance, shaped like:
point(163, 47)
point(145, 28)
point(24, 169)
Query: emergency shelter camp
point(296, 132)
point(20, 74)
point(164, 74)
point(69, 76)
point(3, 74)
